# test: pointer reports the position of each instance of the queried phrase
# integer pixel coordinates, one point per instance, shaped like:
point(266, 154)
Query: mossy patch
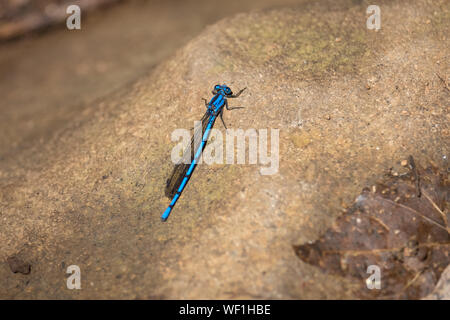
point(313, 45)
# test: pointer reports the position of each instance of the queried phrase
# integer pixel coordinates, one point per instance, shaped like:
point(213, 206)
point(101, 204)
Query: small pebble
point(17, 265)
point(404, 163)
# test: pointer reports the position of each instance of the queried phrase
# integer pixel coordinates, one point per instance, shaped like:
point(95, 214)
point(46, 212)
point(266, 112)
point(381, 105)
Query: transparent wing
point(180, 169)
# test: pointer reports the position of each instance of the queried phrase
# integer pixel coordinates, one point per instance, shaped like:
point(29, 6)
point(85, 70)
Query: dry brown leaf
point(401, 225)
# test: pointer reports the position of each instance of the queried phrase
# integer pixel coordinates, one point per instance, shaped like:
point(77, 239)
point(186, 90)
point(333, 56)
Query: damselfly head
point(224, 89)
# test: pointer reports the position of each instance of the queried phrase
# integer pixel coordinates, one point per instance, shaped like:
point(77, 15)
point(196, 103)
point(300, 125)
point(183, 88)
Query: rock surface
point(349, 102)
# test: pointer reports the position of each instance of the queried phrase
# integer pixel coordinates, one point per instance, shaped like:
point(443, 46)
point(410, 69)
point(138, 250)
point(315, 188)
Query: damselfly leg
point(231, 108)
point(221, 118)
point(237, 94)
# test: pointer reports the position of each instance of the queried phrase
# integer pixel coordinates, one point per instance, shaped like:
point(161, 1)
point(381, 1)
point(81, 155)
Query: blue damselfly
point(183, 169)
